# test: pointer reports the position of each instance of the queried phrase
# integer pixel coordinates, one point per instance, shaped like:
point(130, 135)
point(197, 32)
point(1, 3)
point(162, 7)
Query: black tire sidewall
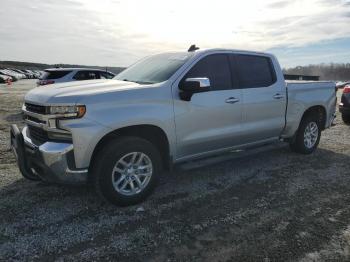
point(107, 159)
point(31, 177)
point(346, 118)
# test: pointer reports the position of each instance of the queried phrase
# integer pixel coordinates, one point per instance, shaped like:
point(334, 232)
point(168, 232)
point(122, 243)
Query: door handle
point(232, 100)
point(278, 96)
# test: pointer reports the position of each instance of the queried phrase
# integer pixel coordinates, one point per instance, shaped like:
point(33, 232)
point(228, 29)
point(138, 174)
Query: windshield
point(154, 69)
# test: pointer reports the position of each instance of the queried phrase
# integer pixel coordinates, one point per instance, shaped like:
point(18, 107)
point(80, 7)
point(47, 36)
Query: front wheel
point(31, 176)
point(127, 170)
point(308, 135)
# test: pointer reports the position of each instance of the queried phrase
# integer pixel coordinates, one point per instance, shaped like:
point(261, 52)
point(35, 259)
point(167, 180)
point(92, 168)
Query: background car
point(22, 72)
point(61, 75)
point(4, 78)
point(13, 75)
point(344, 106)
point(19, 74)
point(35, 73)
point(342, 84)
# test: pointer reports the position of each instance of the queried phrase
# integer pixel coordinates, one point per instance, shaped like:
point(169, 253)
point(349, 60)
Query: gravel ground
point(266, 205)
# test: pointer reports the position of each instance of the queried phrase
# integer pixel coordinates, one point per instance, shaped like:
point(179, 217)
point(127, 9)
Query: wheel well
point(320, 111)
point(153, 134)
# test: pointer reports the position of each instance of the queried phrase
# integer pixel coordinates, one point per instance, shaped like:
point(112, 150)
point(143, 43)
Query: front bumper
point(51, 161)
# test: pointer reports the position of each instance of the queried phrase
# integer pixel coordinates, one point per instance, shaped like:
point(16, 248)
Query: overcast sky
point(119, 32)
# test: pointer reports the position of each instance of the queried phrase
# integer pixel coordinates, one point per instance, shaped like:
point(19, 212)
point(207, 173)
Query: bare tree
point(332, 71)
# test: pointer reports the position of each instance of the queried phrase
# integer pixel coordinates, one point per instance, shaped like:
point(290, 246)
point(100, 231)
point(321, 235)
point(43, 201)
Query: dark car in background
point(344, 105)
point(61, 75)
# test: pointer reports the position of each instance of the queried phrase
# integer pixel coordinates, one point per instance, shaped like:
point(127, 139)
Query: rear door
point(264, 98)
point(210, 120)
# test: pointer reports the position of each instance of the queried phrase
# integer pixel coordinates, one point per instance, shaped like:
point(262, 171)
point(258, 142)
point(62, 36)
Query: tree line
point(332, 71)
point(41, 66)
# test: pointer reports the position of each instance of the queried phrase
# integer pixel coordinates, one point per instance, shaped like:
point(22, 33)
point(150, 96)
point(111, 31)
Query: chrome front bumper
point(51, 161)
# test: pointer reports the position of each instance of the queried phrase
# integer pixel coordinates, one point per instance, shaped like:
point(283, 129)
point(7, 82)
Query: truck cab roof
point(213, 50)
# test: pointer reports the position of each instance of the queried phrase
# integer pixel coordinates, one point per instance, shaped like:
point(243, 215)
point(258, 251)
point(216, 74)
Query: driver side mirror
point(193, 85)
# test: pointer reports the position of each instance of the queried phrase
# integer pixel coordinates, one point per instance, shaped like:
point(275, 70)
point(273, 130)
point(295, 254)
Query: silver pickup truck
point(166, 109)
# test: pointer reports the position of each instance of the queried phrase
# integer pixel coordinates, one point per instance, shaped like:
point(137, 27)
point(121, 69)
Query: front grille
point(37, 134)
point(36, 108)
point(34, 119)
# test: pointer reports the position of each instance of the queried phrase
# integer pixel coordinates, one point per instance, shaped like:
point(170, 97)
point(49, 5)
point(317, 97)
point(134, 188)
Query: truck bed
point(302, 95)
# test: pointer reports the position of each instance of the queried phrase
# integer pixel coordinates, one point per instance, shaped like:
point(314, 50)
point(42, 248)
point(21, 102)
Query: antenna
point(192, 48)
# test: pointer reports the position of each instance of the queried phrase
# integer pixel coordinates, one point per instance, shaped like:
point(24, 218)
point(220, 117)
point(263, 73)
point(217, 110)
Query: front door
point(211, 120)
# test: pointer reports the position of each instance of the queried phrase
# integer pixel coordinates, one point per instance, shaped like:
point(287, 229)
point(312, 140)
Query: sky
point(119, 32)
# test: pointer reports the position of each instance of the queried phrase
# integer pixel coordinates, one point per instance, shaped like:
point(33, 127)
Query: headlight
point(76, 111)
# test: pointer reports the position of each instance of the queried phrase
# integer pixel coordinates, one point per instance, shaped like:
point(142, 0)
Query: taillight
point(346, 90)
point(46, 82)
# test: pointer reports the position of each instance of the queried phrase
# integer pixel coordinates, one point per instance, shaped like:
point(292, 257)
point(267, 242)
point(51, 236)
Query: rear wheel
point(308, 135)
point(127, 170)
point(346, 118)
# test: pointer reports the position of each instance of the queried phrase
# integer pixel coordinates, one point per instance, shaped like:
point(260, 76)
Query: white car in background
point(61, 75)
point(4, 78)
point(14, 75)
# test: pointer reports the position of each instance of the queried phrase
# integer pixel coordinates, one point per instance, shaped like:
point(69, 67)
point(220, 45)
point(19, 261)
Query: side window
point(102, 75)
point(85, 75)
point(255, 71)
point(214, 67)
point(97, 75)
point(106, 75)
point(54, 74)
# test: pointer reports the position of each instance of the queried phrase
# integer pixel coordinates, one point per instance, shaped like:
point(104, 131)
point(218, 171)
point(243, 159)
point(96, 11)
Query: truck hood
point(72, 92)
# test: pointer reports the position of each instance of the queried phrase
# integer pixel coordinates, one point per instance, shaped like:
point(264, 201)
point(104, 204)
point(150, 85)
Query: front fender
point(102, 120)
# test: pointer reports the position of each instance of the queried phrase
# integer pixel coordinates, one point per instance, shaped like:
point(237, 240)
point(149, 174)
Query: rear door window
point(54, 74)
point(214, 67)
point(86, 75)
point(254, 71)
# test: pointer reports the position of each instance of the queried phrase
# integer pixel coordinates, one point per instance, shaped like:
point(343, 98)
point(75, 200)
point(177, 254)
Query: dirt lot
point(266, 205)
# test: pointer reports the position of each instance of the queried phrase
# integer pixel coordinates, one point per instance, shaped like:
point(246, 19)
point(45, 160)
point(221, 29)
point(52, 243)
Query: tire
point(346, 118)
point(110, 164)
point(305, 142)
point(31, 176)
